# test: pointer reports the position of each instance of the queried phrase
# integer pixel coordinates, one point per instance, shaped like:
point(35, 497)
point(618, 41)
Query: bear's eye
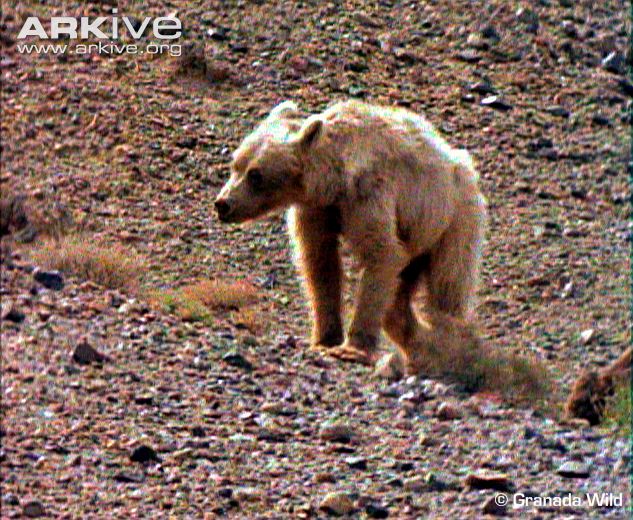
point(255, 178)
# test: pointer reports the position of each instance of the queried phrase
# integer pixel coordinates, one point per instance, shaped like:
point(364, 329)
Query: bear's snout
point(222, 208)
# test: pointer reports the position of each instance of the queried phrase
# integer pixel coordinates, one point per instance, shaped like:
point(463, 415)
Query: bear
point(405, 202)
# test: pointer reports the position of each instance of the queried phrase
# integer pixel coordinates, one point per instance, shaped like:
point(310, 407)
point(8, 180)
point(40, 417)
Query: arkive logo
point(102, 27)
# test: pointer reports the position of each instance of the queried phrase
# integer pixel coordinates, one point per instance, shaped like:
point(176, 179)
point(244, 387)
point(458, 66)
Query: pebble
point(495, 102)
point(49, 279)
point(390, 367)
point(487, 480)
point(356, 463)
point(336, 432)
point(15, 315)
point(448, 412)
point(33, 510)
point(236, 359)
point(587, 335)
point(336, 503)
point(144, 454)
point(11, 499)
point(85, 354)
point(493, 508)
point(376, 511)
point(615, 62)
point(573, 469)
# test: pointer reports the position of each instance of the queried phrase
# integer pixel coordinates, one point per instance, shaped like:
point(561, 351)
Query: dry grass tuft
point(220, 295)
point(200, 300)
point(112, 266)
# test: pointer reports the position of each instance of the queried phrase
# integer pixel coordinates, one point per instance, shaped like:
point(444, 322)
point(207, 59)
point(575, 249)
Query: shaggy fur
point(406, 202)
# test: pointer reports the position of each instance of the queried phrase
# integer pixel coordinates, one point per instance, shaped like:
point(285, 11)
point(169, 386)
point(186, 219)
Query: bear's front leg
point(375, 243)
point(315, 236)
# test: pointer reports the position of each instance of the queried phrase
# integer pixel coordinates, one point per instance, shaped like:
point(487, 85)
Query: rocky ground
point(113, 406)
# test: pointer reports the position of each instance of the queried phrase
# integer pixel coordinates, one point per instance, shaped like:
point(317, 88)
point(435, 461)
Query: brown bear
point(407, 204)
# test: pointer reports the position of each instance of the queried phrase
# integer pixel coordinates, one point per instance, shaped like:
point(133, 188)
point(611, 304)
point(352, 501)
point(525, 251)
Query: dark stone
point(376, 511)
point(356, 463)
point(600, 120)
point(615, 62)
point(33, 510)
point(496, 102)
point(482, 87)
point(626, 86)
point(187, 142)
point(494, 508)
point(198, 431)
point(225, 493)
point(85, 354)
point(236, 359)
point(49, 279)
point(15, 315)
point(144, 454)
point(129, 478)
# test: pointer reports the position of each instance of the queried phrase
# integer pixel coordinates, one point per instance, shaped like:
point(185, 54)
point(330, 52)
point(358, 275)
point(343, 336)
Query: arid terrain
point(166, 371)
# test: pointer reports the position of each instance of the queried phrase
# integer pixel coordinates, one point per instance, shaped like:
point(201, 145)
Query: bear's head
point(267, 170)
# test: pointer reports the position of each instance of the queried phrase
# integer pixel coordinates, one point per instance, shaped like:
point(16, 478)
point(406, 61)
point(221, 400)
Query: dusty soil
point(240, 422)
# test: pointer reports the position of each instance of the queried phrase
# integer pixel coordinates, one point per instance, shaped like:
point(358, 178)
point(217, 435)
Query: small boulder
point(337, 504)
point(50, 279)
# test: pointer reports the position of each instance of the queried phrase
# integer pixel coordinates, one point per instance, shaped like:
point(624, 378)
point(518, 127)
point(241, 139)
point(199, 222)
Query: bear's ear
point(285, 109)
point(310, 133)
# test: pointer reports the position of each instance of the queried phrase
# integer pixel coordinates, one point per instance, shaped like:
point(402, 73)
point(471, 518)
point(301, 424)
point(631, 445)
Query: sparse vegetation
point(199, 301)
point(110, 265)
point(618, 410)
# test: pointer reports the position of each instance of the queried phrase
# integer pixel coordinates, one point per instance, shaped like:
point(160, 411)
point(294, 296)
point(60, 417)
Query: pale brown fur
point(406, 203)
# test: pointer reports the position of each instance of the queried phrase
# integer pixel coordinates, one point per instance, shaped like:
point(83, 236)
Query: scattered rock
point(198, 431)
point(573, 469)
point(390, 367)
point(558, 111)
point(85, 354)
point(236, 359)
point(477, 41)
point(247, 494)
point(491, 33)
point(431, 482)
point(376, 511)
point(626, 86)
point(615, 62)
point(496, 102)
point(448, 412)
point(14, 315)
point(356, 463)
point(482, 87)
point(226, 492)
point(569, 29)
point(600, 120)
point(492, 506)
point(336, 432)
point(469, 56)
point(33, 510)
point(529, 18)
point(10, 499)
point(336, 503)
point(50, 279)
point(587, 335)
point(144, 454)
point(486, 480)
point(129, 478)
